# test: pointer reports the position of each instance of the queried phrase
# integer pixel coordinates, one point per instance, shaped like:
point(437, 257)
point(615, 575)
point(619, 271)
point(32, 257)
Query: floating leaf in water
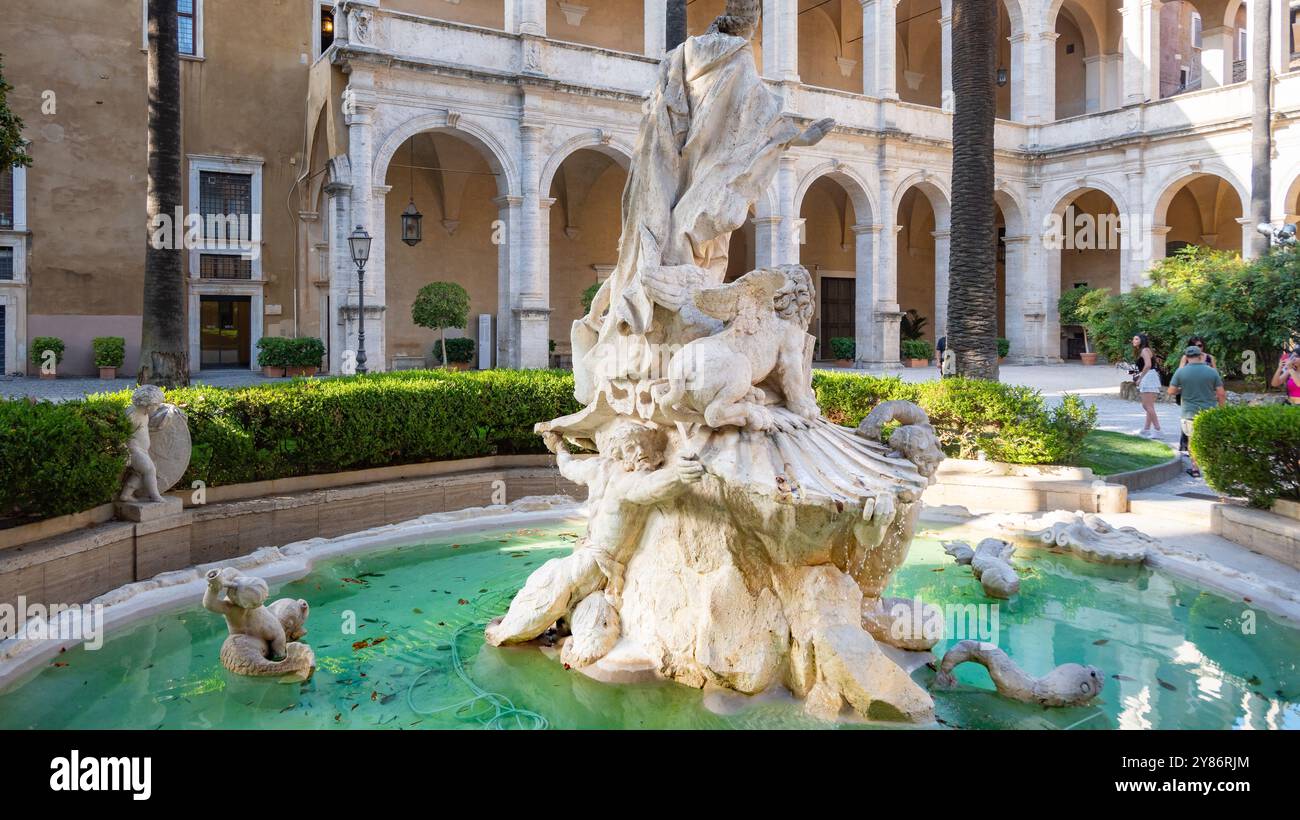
point(1101, 642)
point(461, 601)
point(353, 581)
point(59, 664)
point(937, 569)
point(1124, 678)
point(418, 611)
point(1207, 626)
point(1254, 680)
point(1167, 685)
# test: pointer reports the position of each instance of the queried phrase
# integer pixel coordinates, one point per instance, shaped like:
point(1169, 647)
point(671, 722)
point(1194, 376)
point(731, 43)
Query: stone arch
point(498, 158)
point(1213, 215)
point(602, 142)
point(1013, 209)
point(853, 183)
point(935, 189)
point(1072, 190)
point(1176, 180)
point(1289, 207)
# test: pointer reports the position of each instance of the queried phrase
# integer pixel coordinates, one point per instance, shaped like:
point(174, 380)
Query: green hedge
point(308, 426)
point(1250, 452)
point(1000, 421)
point(60, 458)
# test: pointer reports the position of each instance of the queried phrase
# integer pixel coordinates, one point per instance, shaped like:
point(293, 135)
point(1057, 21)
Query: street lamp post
point(359, 244)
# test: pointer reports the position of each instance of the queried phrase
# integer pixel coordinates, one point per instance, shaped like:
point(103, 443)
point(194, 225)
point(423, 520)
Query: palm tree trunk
point(972, 290)
point(676, 24)
point(164, 360)
point(1261, 137)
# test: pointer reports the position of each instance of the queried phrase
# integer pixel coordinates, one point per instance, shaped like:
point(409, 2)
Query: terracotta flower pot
point(108, 373)
point(458, 366)
point(1088, 358)
point(843, 362)
point(45, 375)
point(271, 372)
point(918, 362)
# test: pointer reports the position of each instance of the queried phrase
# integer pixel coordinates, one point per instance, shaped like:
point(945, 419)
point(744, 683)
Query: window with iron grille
point(6, 263)
point(185, 25)
point(224, 266)
point(226, 205)
point(7, 198)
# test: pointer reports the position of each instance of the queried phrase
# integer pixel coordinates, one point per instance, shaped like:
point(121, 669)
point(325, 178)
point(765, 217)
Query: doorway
point(838, 311)
point(224, 331)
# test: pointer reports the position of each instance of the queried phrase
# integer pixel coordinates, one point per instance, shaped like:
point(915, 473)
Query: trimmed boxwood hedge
point(312, 426)
point(57, 459)
point(1250, 452)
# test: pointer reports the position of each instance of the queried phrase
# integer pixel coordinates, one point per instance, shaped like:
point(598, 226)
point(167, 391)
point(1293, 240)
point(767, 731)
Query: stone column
point(1217, 46)
point(945, 40)
point(879, 61)
point(1021, 60)
point(507, 340)
point(528, 17)
point(656, 28)
point(1247, 236)
point(1025, 303)
point(530, 308)
point(781, 40)
point(1038, 83)
point(1134, 67)
point(767, 236)
point(1279, 38)
point(342, 273)
point(1151, 48)
point(942, 246)
point(1050, 327)
point(877, 315)
point(1093, 77)
point(790, 235)
point(1112, 81)
point(367, 202)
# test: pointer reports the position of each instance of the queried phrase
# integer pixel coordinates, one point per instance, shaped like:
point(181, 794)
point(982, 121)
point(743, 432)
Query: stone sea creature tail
point(595, 628)
point(549, 595)
point(1070, 684)
point(246, 655)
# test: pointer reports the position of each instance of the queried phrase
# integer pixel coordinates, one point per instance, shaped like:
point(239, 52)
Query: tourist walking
point(1148, 383)
point(1196, 341)
point(1201, 388)
point(1288, 375)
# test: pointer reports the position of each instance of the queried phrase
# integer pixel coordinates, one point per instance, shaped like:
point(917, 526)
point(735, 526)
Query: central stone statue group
point(733, 534)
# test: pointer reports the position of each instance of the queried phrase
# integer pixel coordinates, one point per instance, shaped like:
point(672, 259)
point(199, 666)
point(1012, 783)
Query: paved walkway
point(64, 389)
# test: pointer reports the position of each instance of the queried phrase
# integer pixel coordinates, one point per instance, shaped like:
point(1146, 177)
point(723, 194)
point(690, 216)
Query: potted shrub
point(273, 356)
point(843, 349)
point(438, 306)
point(459, 353)
point(110, 351)
point(42, 344)
point(1071, 310)
point(917, 352)
point(303, 356)
point(1004, 347)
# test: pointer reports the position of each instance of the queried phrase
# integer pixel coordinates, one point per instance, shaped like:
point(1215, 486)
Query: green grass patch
point(1109, 453)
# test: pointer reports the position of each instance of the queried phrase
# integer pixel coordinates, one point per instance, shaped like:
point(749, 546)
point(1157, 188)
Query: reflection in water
point(1174, 657)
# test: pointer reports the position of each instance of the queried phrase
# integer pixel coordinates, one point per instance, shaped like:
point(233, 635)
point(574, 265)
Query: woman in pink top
point(1288, 376)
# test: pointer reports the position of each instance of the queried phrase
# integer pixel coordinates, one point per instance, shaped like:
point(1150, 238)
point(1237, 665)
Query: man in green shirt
point(1201, 387)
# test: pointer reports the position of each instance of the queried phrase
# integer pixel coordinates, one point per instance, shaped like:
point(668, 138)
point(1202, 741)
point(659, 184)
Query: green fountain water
point(1174, 657)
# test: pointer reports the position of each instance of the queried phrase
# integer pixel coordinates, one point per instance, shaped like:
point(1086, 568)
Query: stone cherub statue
point(145, 412)
point(264, 641)
point(765, 336)
point(159, 448)
point(623, 483)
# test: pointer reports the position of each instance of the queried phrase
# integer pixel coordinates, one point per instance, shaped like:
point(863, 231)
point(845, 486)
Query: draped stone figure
point(710, 140)
point(734, 536)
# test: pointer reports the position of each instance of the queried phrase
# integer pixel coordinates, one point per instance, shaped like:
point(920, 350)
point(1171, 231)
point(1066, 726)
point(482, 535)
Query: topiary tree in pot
point(1071, 308)
point(110, 352)
point(441, 305)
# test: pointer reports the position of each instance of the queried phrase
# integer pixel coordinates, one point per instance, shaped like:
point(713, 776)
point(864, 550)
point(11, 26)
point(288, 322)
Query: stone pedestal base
point(140, 511)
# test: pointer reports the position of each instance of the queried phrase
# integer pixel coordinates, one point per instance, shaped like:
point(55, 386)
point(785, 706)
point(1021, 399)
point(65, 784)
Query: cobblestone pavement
point(76, 388)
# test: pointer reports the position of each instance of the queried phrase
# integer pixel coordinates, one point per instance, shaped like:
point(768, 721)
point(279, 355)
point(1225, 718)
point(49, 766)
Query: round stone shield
point(170, 447)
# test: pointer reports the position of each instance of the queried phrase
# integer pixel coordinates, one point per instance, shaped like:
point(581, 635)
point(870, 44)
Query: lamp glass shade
point(359, 244)
point(412, 232)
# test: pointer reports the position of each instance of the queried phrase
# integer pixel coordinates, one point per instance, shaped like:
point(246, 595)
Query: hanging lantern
point(412, 232)
point(1002, 77)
